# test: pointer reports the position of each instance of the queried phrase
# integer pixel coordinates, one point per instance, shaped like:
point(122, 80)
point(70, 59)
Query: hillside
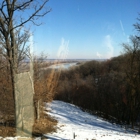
point(73, 122)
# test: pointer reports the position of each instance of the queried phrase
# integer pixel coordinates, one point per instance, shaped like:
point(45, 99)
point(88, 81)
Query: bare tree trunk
point(13, 87)
point(38, 109)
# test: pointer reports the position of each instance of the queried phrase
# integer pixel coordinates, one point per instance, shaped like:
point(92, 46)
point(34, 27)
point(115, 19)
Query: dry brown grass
point(7, 131)
point(44, 125)
point(41, 126)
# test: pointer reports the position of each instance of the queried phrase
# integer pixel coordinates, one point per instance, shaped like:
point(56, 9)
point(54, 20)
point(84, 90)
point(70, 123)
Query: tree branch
point(22, 6)
point(35, 14)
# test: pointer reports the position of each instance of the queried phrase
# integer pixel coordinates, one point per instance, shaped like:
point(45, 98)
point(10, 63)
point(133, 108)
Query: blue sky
point(86, 29)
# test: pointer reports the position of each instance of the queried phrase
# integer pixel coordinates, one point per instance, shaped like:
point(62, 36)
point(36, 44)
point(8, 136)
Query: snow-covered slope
point(74, 123)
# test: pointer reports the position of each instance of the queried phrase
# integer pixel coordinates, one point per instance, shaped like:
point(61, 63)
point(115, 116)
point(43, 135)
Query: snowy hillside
point(73, 122)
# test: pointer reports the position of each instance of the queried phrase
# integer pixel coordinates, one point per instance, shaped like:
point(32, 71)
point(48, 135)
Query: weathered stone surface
point(24, 104)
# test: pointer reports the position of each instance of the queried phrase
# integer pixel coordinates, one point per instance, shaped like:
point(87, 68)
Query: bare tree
point(132, 71)
point(137, 27)
point(14, 16)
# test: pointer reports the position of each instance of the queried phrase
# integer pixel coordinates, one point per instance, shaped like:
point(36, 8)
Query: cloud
point(63, 49)
point(98, 55)
point(122, 28)
point(78, 8)
point(108, 44)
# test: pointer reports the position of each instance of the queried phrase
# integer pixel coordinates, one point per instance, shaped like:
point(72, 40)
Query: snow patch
point(73, 123)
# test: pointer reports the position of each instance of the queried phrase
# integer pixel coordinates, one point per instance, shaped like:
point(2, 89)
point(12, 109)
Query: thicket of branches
point(43, 93)
point(100, 87)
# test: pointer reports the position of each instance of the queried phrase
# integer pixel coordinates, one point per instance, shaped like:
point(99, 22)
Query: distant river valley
point(62, 65)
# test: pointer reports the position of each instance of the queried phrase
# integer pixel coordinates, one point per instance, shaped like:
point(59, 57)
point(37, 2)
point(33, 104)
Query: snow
point(73, 123)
